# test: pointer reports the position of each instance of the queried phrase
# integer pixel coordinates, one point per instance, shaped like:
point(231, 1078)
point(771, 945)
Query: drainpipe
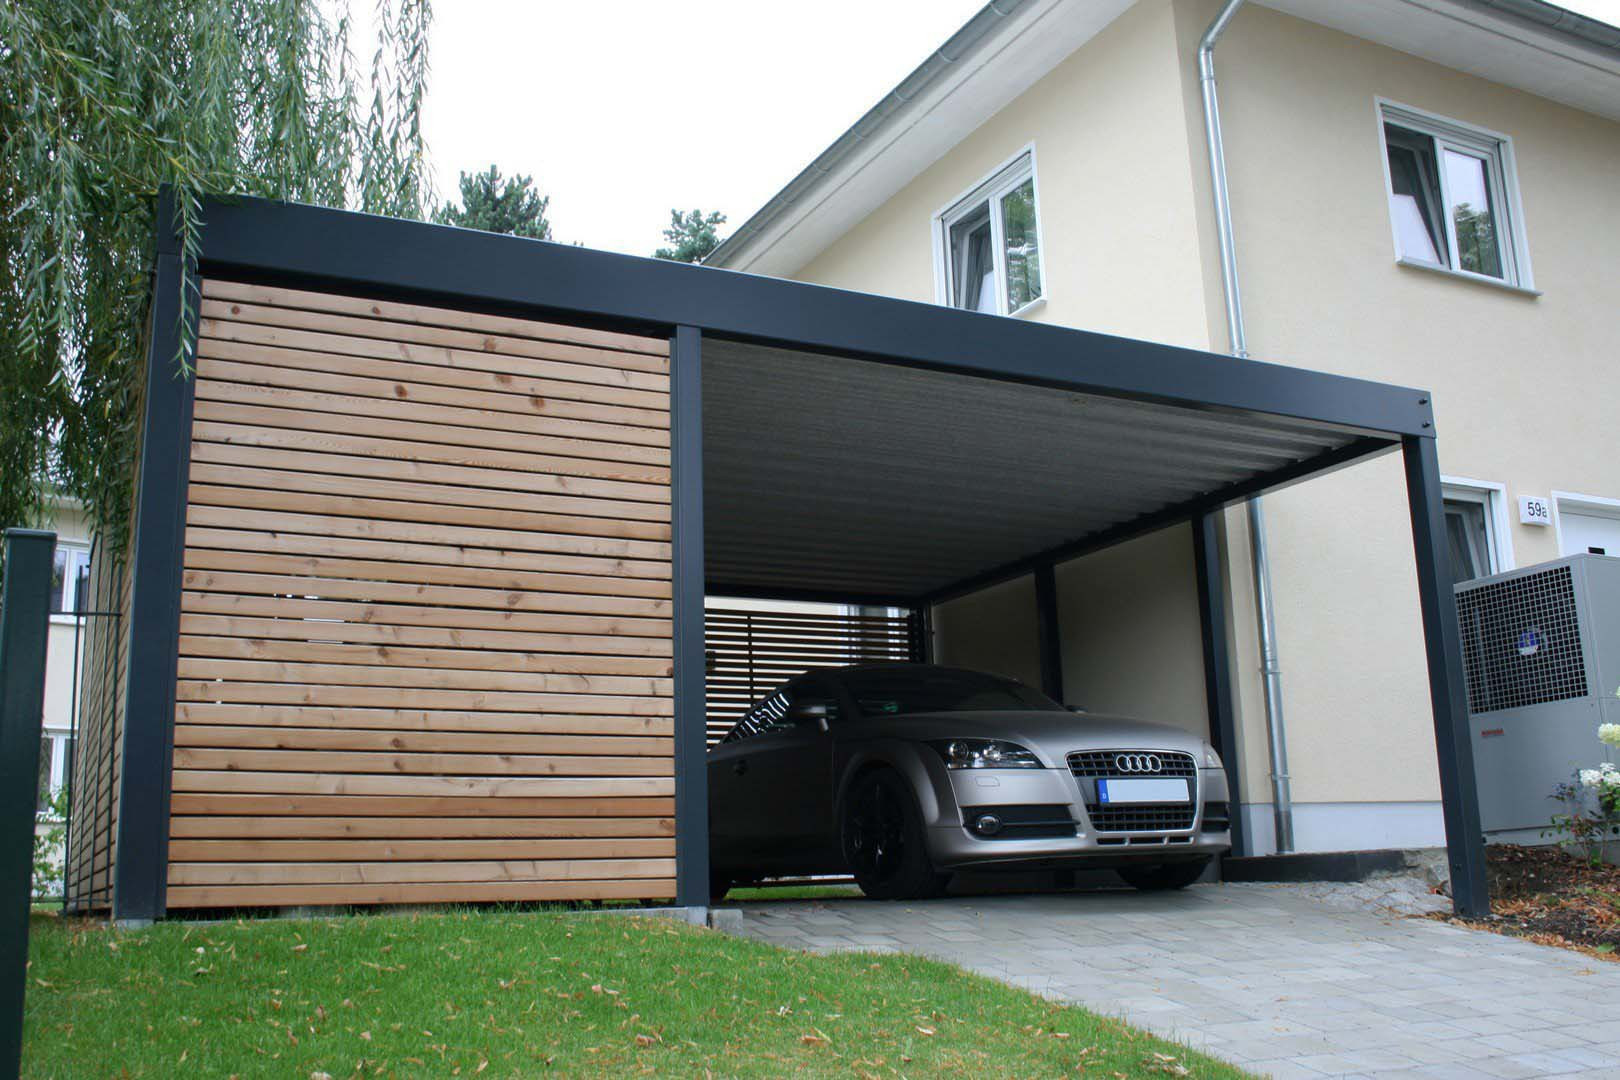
point(1281, 798)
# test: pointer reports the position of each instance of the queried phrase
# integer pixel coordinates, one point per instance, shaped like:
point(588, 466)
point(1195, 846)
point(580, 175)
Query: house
point(1419, 193)
point(70, 577)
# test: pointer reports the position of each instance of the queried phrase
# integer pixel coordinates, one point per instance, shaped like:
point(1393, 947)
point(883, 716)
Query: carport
point(823, 445)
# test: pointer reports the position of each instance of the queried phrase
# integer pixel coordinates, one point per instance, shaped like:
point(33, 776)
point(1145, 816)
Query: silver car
point(901, 774)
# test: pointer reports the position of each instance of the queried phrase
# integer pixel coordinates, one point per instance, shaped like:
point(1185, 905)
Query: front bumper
point(1052, 794)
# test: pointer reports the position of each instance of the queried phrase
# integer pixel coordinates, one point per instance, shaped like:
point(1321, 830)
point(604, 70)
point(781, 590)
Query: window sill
point(1464, 275)
point(1030, 308)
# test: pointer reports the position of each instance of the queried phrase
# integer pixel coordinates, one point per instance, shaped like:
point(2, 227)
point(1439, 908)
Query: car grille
point(1140, 818)
point(1094, 764)
point(1088, 764)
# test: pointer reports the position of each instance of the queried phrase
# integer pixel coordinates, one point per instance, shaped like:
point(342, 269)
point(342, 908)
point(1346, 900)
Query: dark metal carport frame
point(274, 243)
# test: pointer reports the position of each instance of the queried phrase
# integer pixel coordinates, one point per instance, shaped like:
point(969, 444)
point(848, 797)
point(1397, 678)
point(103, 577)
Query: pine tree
point(694, 235)
point(502, 206)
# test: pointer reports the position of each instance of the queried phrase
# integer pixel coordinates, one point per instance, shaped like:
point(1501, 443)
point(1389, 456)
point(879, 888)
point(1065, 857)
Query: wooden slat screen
point(425, 648)
point(751, 650)
point(98, 734)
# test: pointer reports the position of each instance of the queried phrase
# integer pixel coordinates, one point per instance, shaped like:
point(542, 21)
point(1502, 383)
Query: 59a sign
point(1534, 510)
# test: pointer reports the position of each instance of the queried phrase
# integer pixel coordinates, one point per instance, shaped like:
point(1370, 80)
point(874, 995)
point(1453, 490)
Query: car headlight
point(985, 754)
point(1212, 760)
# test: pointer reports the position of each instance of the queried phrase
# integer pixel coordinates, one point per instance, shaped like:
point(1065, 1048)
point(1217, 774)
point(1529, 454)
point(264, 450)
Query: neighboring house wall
point(1525, 385)
point(73, 548)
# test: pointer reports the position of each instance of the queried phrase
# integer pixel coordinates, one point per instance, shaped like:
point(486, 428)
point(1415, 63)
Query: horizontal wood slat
point(433, 828)
point(365, 487)
point(425, 645)
point(566, 535)
point(416, 742)
point(463, 892)
point(427, 811)
point(376, 873)
point(417, 615)
point(564, 660)
point(409, 719)
point(465, 848)
point(391, 338)
point(593, 576)
point(288, 783)
point(294, 300)
point(351, 762)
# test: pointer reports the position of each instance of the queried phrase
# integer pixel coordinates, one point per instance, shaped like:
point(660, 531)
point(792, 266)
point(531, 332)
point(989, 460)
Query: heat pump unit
point(1541, 650)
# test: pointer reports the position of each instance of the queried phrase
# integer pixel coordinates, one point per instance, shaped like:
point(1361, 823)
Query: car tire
point(1165, 876)
point(883, 841)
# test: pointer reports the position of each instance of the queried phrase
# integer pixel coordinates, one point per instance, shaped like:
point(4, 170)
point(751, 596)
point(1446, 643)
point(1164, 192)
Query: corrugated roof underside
point(852, 477)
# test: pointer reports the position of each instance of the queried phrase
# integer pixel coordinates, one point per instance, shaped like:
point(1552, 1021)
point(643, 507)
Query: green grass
point(791, 892)
point(497, 994)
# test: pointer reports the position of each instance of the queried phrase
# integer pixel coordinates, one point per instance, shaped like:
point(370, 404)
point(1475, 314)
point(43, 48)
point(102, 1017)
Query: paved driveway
point(1270, 977)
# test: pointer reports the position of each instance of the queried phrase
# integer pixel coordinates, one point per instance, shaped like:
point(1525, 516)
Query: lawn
point(501, 994)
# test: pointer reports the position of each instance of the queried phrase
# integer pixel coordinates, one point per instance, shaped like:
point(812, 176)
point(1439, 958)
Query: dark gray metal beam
point(1207, 552)
point(140, 877)
point(389, 258)
point(686, 498)
point(1048, 632)
point(25, 623)
point(1448, 691)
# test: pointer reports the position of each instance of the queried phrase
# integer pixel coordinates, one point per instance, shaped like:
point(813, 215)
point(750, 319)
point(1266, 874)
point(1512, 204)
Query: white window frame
point(70, 581)
point(1502, 174)
point(990, 188)
point(59, 757)
point(1591, 505)
point(1493, 497)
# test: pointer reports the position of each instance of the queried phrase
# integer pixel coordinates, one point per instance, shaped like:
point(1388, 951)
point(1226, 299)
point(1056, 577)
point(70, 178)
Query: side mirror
point(815, 713)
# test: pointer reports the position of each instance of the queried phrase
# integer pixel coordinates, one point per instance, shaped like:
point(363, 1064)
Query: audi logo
point(1138, 763)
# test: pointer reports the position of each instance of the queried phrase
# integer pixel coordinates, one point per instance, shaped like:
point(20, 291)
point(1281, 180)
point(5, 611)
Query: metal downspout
point(1281, 797)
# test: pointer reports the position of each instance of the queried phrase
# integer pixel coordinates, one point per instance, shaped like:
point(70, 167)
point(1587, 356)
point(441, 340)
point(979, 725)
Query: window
point(55, 764)
point(779, 710)
point(990, 239)
point(899, 692)
point(1476, 529)
point(70, 579)
point(1451, 202)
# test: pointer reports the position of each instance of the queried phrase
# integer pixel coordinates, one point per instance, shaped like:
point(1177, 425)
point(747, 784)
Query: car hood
point(1052, 735)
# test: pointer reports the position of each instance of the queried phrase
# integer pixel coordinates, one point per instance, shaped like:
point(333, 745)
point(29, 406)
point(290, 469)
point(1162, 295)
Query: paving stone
point(1281, 979)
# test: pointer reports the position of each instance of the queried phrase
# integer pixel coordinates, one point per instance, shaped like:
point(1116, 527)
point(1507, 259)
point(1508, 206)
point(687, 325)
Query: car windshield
point(901, 692)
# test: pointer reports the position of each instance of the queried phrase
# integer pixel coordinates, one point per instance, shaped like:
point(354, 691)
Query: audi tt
point(903, 774)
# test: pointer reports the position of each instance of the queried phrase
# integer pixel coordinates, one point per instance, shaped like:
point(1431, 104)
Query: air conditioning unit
point(1541, 651)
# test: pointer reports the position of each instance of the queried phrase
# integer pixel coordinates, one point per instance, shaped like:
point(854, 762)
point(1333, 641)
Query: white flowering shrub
point(1591, 815)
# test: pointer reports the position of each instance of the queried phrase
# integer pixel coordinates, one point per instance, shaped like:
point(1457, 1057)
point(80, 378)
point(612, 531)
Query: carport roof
point(865, 447)
point(840, 477)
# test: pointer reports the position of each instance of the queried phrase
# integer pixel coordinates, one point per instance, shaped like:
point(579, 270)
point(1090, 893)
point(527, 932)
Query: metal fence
point(100, 657)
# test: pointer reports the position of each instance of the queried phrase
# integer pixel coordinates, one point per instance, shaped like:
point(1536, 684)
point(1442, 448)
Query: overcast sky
point(623, 110)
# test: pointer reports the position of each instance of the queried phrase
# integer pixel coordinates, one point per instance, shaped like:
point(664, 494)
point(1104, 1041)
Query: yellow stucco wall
point(1526, 387)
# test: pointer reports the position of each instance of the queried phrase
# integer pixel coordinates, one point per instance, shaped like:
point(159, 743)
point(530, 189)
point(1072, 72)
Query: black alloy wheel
point(882, 834)
point(1164, 876)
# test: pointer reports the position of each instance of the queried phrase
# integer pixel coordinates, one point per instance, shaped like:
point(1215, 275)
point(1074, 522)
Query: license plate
point(1156, 790)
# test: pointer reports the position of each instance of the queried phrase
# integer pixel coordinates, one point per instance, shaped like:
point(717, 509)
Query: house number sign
point(1534, 511)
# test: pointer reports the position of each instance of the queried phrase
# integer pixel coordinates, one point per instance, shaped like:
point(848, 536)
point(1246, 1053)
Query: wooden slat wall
point(425, 647)
point(751, 651)
point(99, 731)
